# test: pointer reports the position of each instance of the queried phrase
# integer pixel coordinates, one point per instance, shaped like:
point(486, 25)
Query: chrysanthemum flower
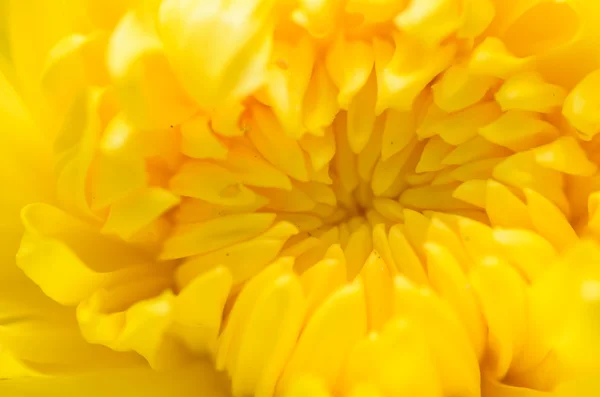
point(300, 198)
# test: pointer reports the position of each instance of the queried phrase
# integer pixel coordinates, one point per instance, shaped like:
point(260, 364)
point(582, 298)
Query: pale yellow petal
point(187, 381)
point(215, 234)
point(504, 311)
point(277, 317)
point(147, 87)
point(244, 259)
point(198, 325)
point(227, 69)
point(131, 214)
point(327, 337)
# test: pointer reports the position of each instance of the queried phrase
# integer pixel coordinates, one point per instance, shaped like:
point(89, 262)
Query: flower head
point(311, 197)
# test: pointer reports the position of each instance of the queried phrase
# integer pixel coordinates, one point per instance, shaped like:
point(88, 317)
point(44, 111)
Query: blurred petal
point(195, 380)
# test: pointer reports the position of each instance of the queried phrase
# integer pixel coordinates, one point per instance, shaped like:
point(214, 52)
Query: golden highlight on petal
point(291, 198)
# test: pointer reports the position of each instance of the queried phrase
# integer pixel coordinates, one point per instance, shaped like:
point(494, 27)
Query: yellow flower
point(300, 198)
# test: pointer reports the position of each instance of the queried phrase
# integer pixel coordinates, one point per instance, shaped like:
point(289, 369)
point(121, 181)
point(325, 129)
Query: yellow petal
point(357, 251)
point(504, 208)
point(405, 77)
point(429, 114)
point(106, 14)
point(529, 251)
point(11, 367)
point(320, 149)
point(565, 155)
point(528, 91)
point(226, 120)
point(378, 292)
point(436, 197)
point(443, 177)
point(522, 171)
point(320, 100)
point(119, 168)
point(594, 214)
point(344, 160)
point(213, 183)
point(361, 115)
point(31, 34)
point(215, 234)
point(475, 149)
point(406, 260)
point(365, 390)
point(478, 239)
point(131, 214)
point(579, 106)
point(75, 148)
point(253, 170)
point(75, 61)
point(441, 233)
point(327, 337)
point(459, 89)
point(145, 332)
point(319, 192)
point(278, 148)
point(477, 169)
point(493, 388)
point(502, 295)
point(307, 386)
point(349, 63)
point(304, 222)
point(46, 337)
point(381, 245)
point(294, 200)
point(386, 172)
point(416, 229)
point(244, 259)
point(405, 364)
point(198, 141)
point(447, 278)
point(473, 192)
point(492, 58)
point(187, 381)
point(367, 159)
point(322, 280)
point(430, 20)
point(397, 133)
point(478, 15)
point(66, 257)
point(380, 11)
point(115, 177)
point(361, 364)
point(456, 362)
point(287, 82)
point(458, 128)
point(25, 166)
point(147, 87)
point(519, 131)
point(192, 210)
point(231, 335)
point(534, 21)
point(433, 153)
point(198, 325)
point(223, 72)
point(549, 221)
point(389, 208)
point(277, 318)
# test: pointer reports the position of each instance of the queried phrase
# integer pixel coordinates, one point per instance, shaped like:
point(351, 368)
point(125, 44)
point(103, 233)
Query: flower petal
point(198, 378)
point(147, 87)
